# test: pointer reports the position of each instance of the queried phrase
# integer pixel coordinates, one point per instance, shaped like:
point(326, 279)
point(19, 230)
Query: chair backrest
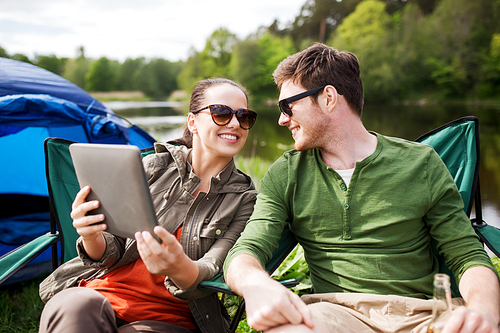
point(63, 187)
point(457, 143)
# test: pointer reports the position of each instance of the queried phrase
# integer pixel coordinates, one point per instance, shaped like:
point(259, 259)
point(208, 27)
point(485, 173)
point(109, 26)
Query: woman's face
point(221, 141)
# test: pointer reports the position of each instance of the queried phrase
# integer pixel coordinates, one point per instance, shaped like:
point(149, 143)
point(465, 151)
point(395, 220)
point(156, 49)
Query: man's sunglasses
point(284, 104)
point(222, 115)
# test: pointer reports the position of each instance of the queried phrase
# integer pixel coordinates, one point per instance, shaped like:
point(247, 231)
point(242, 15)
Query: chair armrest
point(12, 262)
point(216, 284)
point(490, 236)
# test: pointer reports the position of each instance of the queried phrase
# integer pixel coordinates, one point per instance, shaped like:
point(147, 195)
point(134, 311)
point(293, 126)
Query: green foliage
point(495, 46)
point(213, 61)
point(192, 72)
point(101, 76)
point(365, 33)
point(255, 167)
point(243, 65)
point(295, 267)
point(21, 57)
point(450, 78)
point(51, 63)
point(366, 26)
point(255, 59)
point(319, 18)
point(158, 78)
point(496, 263)
point(217, 52)
point(76, 70)
point(3, 53)
point(128, 74)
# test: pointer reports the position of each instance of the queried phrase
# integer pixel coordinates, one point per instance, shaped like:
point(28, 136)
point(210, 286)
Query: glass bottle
point(441, 303)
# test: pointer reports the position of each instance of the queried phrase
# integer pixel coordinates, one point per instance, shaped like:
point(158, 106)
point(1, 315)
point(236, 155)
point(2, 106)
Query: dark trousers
point(85, 310)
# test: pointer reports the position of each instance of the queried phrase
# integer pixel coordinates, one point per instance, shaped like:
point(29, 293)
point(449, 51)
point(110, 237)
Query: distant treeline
point(408, 49)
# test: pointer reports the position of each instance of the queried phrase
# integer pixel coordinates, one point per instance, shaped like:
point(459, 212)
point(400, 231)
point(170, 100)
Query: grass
point(20, 307)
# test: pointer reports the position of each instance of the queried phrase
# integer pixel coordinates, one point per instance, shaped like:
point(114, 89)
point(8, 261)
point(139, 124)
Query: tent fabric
point(18, 77)
point(40, 110)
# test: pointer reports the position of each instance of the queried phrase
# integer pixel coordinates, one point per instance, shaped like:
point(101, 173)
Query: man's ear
point(331, 97)
point(191, 123)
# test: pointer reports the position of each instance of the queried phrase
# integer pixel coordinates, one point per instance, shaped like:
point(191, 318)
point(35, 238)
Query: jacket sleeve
point(115, 247)
point(210, 264)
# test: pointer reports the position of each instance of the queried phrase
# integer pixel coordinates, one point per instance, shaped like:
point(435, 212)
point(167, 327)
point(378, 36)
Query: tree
point(460, 31)
point(192, 71)
point(158, 78)
point(101, 76)
point(213, 61)
point(318, 19)
point(127, 75)
point(51, 63)
point(3, 53)
point(21, 57)
point(364, 32)
point(217, 53)
point(244, 64)
point(76, 69)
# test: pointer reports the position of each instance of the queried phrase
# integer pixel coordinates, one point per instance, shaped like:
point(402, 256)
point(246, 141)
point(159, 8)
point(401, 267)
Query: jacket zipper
point(192, 225)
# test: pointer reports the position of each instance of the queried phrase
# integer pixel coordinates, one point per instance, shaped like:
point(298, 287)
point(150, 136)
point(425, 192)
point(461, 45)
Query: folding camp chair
point(457, 143)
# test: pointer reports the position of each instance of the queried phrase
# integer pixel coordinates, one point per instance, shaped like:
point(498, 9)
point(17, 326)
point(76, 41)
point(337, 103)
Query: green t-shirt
point(373, 236)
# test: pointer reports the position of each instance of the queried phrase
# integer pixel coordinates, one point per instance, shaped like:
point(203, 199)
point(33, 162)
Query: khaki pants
point(360, 313)
point(85, 310)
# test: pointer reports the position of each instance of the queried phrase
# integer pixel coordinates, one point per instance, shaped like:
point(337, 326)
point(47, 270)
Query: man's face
point(307, 122)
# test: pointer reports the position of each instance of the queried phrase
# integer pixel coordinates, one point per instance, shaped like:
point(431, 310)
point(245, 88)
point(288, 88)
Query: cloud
point(120, 29)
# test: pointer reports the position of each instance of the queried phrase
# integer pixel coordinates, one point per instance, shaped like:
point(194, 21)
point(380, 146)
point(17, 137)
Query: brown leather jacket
point(206, 241)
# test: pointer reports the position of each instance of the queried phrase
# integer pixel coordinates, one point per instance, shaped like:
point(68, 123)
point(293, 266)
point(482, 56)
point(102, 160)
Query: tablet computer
point(117, 180)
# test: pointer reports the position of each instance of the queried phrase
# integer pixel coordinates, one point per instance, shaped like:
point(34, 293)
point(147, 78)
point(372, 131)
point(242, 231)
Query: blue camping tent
point(36, 104)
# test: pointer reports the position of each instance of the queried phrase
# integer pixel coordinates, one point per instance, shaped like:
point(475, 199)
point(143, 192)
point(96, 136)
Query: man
point(364, 207)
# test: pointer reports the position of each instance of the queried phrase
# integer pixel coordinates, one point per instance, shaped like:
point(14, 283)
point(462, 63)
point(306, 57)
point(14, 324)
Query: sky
point(121, 29)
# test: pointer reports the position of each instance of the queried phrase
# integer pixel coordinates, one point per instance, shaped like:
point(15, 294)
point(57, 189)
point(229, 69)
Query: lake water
point(165, 121)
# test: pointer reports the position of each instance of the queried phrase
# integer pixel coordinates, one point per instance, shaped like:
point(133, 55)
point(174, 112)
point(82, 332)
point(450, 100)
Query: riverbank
point(134, 96)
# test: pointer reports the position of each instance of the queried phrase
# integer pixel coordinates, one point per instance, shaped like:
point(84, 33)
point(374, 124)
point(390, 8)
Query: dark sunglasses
point(284, 103)
point(222, 115)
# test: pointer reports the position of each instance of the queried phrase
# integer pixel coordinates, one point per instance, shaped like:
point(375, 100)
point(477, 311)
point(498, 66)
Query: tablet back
point(117, 179)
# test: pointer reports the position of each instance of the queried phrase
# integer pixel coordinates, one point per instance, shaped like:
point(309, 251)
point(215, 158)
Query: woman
point(202, 203)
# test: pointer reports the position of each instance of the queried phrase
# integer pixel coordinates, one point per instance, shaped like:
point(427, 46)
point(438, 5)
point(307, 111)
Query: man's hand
point(271, 304)
point(268, 303)
point(464, 320)
point(480, 290)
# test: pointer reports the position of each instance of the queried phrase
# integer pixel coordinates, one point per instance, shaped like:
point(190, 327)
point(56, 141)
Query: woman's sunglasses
point(222, 115)
point(284, 103)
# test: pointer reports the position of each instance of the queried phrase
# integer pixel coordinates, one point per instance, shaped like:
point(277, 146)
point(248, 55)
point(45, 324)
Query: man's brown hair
point(320, 65)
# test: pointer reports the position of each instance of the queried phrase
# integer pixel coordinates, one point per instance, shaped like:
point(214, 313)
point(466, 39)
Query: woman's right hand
point(88, 226)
